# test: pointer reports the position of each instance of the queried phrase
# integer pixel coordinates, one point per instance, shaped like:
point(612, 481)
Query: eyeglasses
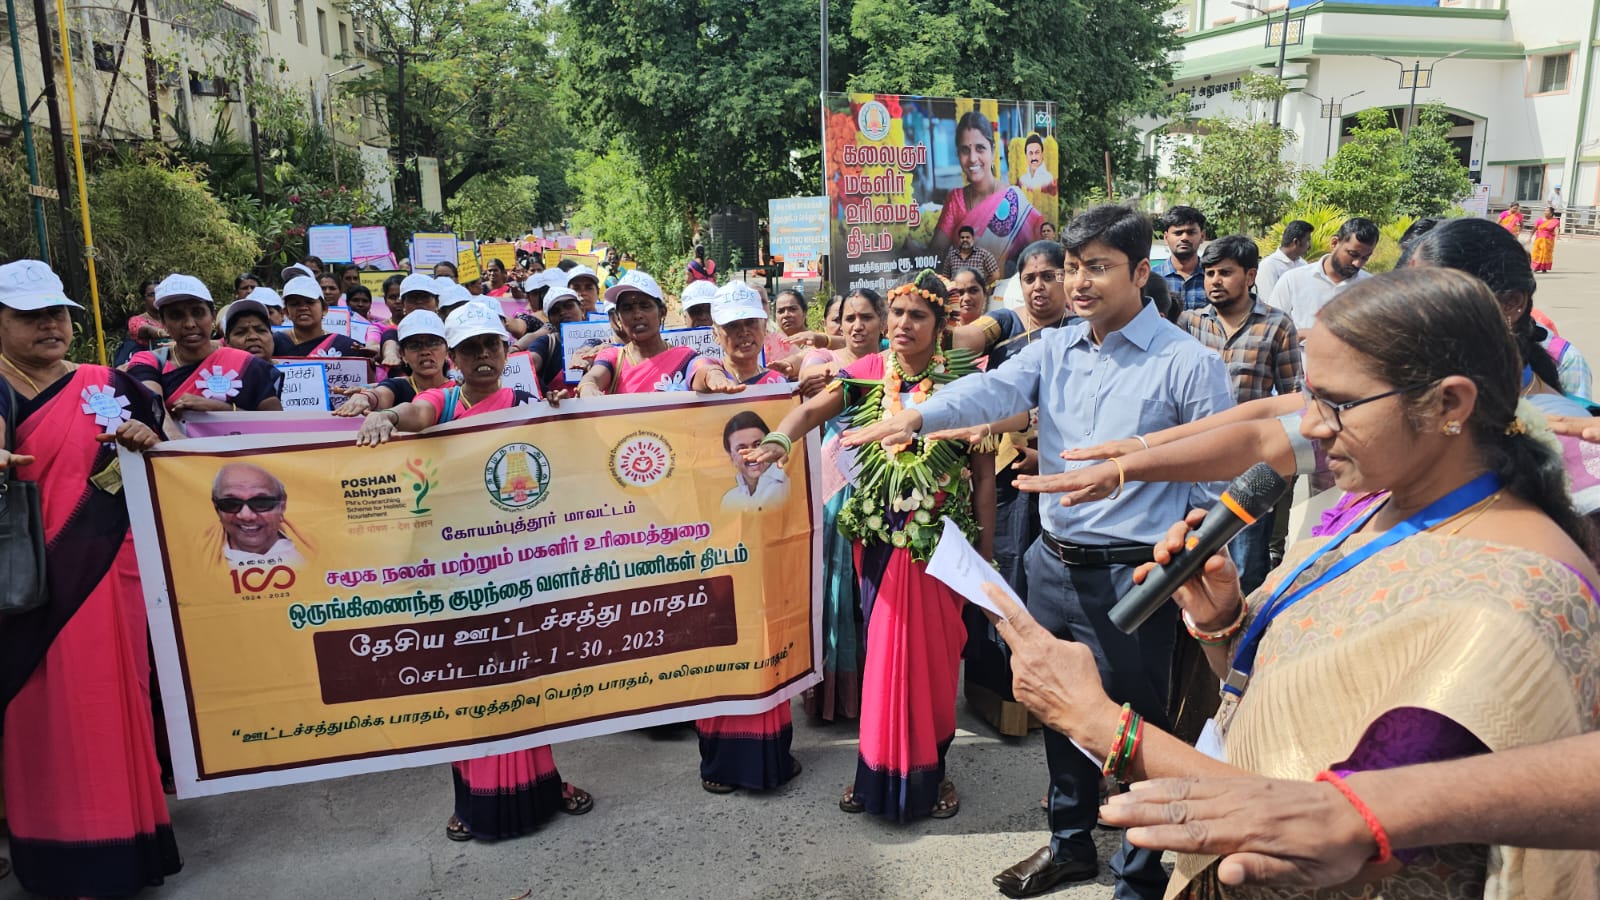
point(260, 503)
point(1331, 411)
point(1092, 272)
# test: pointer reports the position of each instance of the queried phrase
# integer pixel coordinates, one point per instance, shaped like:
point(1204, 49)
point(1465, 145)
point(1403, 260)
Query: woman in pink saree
point(647, 363)
point(82, 785)
point(999, 213)
point(509, 794)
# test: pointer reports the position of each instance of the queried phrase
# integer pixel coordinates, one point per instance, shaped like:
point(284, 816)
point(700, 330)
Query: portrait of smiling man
point(250, 504)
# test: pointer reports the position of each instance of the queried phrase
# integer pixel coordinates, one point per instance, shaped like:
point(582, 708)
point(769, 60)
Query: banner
point(904, 174)
point(798, 232)
point(515, 579)
point(578, 337)
point(198, 424)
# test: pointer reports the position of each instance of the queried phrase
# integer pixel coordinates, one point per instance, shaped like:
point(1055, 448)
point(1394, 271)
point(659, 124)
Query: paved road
point(654, 832)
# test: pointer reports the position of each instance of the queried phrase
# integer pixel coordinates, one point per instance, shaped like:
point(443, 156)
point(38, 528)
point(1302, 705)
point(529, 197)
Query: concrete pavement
point(654, 832)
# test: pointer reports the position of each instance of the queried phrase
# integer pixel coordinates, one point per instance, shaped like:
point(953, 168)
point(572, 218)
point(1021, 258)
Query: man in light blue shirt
point(1122, 371)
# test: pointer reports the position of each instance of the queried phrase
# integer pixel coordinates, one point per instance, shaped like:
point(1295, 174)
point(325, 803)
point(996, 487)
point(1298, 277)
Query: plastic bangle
point(780, 439)
point(1129, 748)
point(1217, 638)
point(1381, 837)
point(1122, 479)
point(393, 415)
point(1121, 737)
point(1141, 440)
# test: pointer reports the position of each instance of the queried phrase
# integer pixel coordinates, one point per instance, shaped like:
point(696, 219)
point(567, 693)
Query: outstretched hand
point(1107, 450)
point(1096, 482)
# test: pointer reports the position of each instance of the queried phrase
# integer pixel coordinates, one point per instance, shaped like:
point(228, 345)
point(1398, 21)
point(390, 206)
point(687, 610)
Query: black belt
point(1103, 555)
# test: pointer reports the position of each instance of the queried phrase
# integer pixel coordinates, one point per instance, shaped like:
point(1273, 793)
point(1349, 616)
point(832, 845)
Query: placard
point(337, 320)
point(330, 243)
point(552, 258)
point(505, 252)
point(519, 373)
point(701, 340)
point(374, 281)
point(340, 372)
point(369, 242)
point(431, 248)
point(518, 579)
point(305, 387)
point(798, 229)
point(467, 266)
point(577, 337)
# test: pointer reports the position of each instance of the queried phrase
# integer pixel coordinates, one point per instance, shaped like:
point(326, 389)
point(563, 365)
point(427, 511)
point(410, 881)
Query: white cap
point(451, 293)
point(29, 284)
point(423, 321)
point(233, 310)
point(295, 270)
point(549, 278)
point(737, 300)
point(634, 281)
point(576, 272)
point(470, 320)
point(266, 297)
point(416, 281)
point(177, 287)
point(698, 294)
point(605, 306)
point(560, 294)
point(303, 286)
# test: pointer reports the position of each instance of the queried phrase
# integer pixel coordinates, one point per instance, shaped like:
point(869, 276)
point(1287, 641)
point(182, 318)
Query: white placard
point(579, 336)
point(369, 242)
point(430, 248)
point(337, 320)
point(701, 340)
point(331, 243)
point(519, 373)
point(305, 386)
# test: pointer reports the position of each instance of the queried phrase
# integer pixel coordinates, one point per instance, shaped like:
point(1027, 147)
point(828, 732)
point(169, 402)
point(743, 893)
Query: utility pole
point(58, 148)
point(35, 189)
point(255, 130)
point(1418, 77)
point(150, 87)
point(400, 124)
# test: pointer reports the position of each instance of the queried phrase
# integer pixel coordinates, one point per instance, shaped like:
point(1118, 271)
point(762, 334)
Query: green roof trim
point(1525, 162)
point(1375, 45)
point(1552, 50)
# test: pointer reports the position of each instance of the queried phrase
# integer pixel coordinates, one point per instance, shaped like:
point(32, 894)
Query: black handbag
point(22, 572)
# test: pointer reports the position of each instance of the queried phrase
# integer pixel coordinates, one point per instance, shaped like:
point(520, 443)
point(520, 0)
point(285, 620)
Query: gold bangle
point(1122, 479)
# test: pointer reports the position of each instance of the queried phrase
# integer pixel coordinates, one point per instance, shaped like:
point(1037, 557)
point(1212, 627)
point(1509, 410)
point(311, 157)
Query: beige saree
point(1502, 641)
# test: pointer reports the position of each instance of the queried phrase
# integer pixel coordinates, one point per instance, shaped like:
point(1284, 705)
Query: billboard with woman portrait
point(904, 175)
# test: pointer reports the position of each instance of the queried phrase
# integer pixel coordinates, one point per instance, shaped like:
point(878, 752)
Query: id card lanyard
point(1244, 658)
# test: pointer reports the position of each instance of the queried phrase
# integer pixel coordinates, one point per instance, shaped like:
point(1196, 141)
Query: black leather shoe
point(1041, 872)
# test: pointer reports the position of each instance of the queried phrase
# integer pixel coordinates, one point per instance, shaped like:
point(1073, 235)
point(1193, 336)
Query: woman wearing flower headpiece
point(913, 622)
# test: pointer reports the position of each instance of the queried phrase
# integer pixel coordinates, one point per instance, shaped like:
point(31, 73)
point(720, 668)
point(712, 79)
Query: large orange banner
point(519, 578)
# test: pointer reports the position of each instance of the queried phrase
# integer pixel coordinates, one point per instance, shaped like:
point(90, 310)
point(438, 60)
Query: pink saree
point(1005, 222)
point(82, 785)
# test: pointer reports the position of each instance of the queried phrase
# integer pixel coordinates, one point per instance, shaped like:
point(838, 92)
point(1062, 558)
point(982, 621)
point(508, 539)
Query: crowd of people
point(1443, 614)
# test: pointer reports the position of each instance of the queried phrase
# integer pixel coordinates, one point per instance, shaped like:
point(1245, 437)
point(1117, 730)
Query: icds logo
point(641, 459)
point(255, 579)
point(421, 475)
point(517, 477)
point(873, 120)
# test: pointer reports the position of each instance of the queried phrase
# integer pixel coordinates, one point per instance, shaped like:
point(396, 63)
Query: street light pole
point(1332, 110)
point(327, 99)
point(1283, 48)
point(1416, 72)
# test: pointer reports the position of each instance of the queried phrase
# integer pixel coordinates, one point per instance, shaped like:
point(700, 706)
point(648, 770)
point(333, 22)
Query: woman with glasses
point(1452, 618)
point(83, 797)
point(422, 346)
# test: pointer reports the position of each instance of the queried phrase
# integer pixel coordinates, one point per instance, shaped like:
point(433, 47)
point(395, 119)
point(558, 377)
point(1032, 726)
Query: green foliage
point(480, 87)
point(18, 238)
point(627, 209)
point(1434, 176)
point(154, 216)
point(1237, 175)
point(1324, 219)
point(1365, 177)
point(494, 206)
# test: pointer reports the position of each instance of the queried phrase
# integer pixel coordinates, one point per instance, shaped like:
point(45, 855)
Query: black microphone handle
point(1139, 604)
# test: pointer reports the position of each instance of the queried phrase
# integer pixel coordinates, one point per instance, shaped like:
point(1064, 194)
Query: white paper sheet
point(956, 563)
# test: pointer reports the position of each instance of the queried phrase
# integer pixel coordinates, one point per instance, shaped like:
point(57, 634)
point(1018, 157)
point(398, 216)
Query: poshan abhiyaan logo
point(517, 477)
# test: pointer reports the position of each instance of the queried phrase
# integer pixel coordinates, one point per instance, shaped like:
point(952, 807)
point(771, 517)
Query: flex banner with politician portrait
point(904, 174)
point(513, 579)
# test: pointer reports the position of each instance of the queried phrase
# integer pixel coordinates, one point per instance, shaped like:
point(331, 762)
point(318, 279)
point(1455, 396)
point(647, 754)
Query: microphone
point(1247, 498)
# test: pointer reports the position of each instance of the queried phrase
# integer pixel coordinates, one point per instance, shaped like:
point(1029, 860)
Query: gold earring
point(1452, 428)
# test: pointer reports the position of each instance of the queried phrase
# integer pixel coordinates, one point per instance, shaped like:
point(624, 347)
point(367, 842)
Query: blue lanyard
point(1446, 507)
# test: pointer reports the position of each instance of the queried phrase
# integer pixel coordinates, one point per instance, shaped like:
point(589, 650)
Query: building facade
point(195, 53)
point(1519, 83)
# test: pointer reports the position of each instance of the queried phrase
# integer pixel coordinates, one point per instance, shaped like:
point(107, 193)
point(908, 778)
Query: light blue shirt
point(1148, 376)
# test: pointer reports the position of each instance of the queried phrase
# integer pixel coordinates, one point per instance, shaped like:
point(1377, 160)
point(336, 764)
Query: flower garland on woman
point(914, 627)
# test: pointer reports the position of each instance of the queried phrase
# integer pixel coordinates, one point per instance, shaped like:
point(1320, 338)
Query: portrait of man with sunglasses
point(250, 504)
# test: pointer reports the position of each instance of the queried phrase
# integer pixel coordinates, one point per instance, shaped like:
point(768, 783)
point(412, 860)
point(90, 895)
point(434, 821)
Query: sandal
point(717, 787)
point(456, 830)
point(794, 772)
point(949, 804)
point(575, 801)
point(849, 803)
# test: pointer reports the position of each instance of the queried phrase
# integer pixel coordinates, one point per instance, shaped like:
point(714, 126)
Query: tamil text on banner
point(905, 174)
point(519, 578)
point(798, 229)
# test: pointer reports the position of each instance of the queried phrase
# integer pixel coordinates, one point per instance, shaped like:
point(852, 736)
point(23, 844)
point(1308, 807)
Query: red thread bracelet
point(1385, 851)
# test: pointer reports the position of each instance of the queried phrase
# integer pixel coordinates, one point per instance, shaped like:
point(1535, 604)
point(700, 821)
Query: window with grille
point(1553, 71)
point(1530, 182)
point(322, 31)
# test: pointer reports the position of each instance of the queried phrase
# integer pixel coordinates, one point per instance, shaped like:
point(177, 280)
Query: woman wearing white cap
point(544, 346)
point(304, 305)
point(646, 362)
point(195, 373)
point(82, 785)
point(247, 326)
point(740, 325)
point(417, 292)
point(586, 284)
point(696, 300)
point(422, 343)
point(510, 794)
